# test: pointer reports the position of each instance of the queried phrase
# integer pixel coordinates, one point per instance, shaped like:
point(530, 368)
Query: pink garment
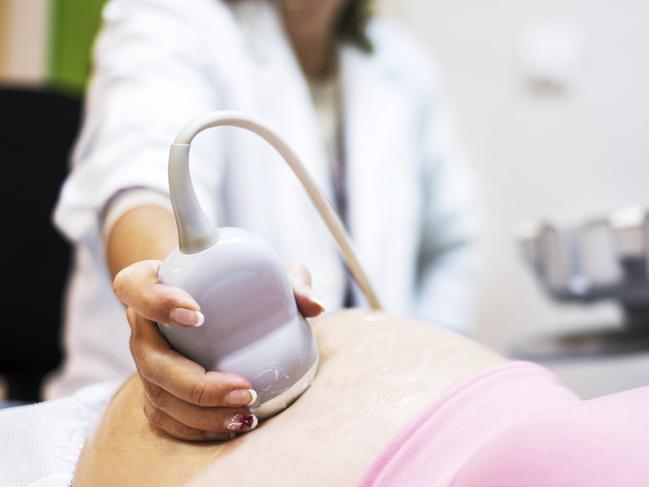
point(516, 425)
point(603, 442)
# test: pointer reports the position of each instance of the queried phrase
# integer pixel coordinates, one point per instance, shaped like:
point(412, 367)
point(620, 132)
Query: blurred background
point(552, 108)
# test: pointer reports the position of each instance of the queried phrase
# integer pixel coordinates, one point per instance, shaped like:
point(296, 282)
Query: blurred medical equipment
point(252, 325)
point(601, 259)
point(38, 127)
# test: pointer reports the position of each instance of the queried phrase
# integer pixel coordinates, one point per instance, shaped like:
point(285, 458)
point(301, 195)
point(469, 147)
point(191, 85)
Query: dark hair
point(351, 24)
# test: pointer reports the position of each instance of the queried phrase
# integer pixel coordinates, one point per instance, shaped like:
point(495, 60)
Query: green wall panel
point(74, 26)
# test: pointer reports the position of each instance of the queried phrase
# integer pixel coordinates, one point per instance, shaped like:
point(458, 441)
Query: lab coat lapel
point(284, 102)
point(382, 206)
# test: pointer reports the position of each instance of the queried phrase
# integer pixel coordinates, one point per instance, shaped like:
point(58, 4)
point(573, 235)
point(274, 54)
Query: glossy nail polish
point(186, 317)
point(243, 422)
point(241, 397)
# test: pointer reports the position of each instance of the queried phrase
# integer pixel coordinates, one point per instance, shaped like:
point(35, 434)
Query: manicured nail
point(318, 303)
point(243, 422)
point(308, 292)
point(241, 397)
point(187, 317)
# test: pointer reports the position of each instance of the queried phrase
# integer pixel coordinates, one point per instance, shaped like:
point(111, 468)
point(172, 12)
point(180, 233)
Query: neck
point(312, 37)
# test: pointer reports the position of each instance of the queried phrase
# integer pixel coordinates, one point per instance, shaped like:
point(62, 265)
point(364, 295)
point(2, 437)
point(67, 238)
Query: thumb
point(300, 279)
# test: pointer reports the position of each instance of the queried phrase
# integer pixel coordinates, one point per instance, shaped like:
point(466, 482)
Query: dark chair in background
point(37, 129)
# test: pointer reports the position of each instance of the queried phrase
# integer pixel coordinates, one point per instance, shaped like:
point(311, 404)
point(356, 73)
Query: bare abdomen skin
point(376, 372)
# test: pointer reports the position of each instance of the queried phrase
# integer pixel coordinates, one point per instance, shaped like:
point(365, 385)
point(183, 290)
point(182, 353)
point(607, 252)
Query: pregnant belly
point(376, 372)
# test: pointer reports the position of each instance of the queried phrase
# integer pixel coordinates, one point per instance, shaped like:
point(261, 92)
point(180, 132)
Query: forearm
point(145, 232)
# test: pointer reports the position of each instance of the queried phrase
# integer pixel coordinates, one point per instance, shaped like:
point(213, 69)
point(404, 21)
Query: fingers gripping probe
point(196, 232)
point(252, 325)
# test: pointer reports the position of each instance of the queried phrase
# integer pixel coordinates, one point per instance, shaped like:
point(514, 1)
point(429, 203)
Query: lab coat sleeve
point(148, 81)
point(448, 258)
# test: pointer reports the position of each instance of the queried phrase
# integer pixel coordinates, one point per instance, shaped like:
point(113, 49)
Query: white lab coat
point(158, 63)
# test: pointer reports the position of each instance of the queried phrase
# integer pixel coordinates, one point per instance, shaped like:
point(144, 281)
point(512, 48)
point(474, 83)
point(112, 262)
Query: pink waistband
point(436, 444)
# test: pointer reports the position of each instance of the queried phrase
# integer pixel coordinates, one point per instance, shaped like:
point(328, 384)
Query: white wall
point(562, 155)
point(24, 39)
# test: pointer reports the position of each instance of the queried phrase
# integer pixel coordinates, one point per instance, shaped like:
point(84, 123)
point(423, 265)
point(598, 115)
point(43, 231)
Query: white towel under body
point(40, 444)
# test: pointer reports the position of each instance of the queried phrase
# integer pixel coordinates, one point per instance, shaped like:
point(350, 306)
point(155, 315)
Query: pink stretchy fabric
point(516, 425)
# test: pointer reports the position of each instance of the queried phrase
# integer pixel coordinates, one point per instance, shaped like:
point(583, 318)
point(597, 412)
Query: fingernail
point(187, 317)
point(243, 422)
point(241, 397)
point(308, 292)
point(318, 303)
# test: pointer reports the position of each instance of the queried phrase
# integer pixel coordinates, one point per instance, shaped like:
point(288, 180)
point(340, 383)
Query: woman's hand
point(181, 397)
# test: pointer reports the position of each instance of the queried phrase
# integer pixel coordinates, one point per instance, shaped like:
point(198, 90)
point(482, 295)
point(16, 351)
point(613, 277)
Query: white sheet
point(40, 444)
